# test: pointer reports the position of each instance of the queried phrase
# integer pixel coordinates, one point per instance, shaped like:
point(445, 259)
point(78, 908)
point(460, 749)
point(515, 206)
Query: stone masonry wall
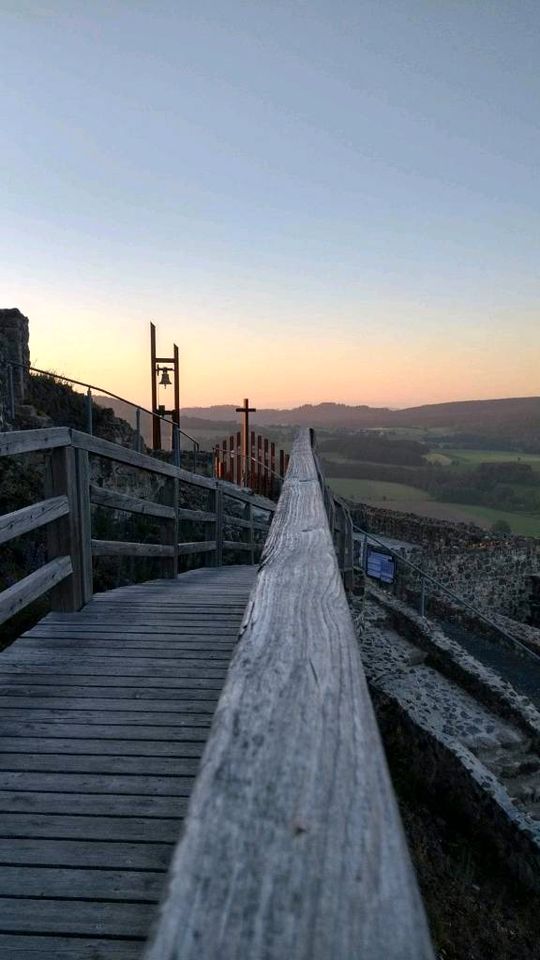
point(495, 575)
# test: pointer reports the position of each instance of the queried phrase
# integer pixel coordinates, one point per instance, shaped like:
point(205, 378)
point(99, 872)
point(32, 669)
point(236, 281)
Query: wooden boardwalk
point(104, 715)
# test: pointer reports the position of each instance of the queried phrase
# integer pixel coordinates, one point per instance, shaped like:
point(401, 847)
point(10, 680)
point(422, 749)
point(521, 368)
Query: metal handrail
point(440, 586)
point(108, 393)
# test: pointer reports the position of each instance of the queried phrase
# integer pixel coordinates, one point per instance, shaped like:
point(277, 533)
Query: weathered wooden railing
point(293, 846)
point(67, 512)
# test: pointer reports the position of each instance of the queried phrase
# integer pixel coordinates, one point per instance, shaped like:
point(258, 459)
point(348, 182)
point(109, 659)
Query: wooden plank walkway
point(104, 715)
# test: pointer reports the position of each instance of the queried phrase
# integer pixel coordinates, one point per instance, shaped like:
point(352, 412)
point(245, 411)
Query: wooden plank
point(27, 441)
point(113, 717)
point(60, 827)
point(237, 545)
point(113, 451)
point(92, 804)
point(163, 631)
point(189, 605)
point(145, 687)
point(122, 501)
point(107, 764)
point(30, 726)
point(204, 546)
point(51, 916)
point(180, 624)
point(67, 948)
point(293, 802)
point(18, 596)
point(92, 666)
point(238, 521)
point(68, 884)
point(90, 783)
point(197, 516)
point(123, 548)
point(140, 647)
point(106, 705)
point(161, 628)
point(105, 688)
point(161, 635)
point(121, 748)
point(30, 518)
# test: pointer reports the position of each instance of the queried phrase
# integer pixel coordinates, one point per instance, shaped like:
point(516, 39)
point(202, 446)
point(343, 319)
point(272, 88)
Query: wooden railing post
point(339, 535)
point(67, 474)
point(348, 536)
point(170, 530)
point(82, 468)
point(250, 531)
point(219, 524)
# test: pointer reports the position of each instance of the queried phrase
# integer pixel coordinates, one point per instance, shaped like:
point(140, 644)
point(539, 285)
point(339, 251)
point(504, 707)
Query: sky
point(323, 200)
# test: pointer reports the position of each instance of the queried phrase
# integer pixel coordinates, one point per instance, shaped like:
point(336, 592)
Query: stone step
point(515, 766)
point(524, 788)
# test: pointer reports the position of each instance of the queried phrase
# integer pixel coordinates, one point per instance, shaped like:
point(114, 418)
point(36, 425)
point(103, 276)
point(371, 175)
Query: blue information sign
point(380, 566)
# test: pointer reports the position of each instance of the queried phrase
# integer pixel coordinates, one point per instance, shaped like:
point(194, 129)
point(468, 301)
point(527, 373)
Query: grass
point(441, 458)
point(400, 496)
point(361, 489)
point(474, 457)
point(521, 524)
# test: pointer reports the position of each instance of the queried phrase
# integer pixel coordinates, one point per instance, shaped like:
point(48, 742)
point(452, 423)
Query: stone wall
point(13, 347)
point(495, 575)
point(412, 528)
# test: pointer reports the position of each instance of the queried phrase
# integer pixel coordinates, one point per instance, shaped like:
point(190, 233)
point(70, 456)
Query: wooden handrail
point(293, 847)
point(124, 548)
point(30, 518)
point(122, 501)
point(30, 588)
point(28, 441)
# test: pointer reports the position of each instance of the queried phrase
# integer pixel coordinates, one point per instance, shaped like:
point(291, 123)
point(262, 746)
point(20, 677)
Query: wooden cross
point(246, 463)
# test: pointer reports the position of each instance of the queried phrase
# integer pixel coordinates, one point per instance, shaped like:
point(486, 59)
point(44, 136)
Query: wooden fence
point(264, 471)
point(67, 513)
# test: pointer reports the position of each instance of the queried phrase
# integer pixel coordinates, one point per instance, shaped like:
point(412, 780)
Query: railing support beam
point(67, 474)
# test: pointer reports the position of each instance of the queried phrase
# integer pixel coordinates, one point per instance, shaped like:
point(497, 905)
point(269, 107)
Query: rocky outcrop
point(14, 348)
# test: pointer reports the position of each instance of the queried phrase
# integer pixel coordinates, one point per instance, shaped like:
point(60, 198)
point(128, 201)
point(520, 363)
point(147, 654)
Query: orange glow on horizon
point(220, 365)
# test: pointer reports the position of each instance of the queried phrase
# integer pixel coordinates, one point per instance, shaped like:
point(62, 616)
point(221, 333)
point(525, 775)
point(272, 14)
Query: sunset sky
point(323, 200)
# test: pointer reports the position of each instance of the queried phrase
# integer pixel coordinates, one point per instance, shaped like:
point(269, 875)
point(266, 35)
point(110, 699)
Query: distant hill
point(472, 414)
point(465, 415)
point(317, 415)
point(513, 418)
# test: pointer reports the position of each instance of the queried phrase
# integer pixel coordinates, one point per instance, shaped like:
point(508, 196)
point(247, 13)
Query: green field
point(376, 490)
point(474, 457)
point(400, 496)
point(522, 524)
point(442, 458)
